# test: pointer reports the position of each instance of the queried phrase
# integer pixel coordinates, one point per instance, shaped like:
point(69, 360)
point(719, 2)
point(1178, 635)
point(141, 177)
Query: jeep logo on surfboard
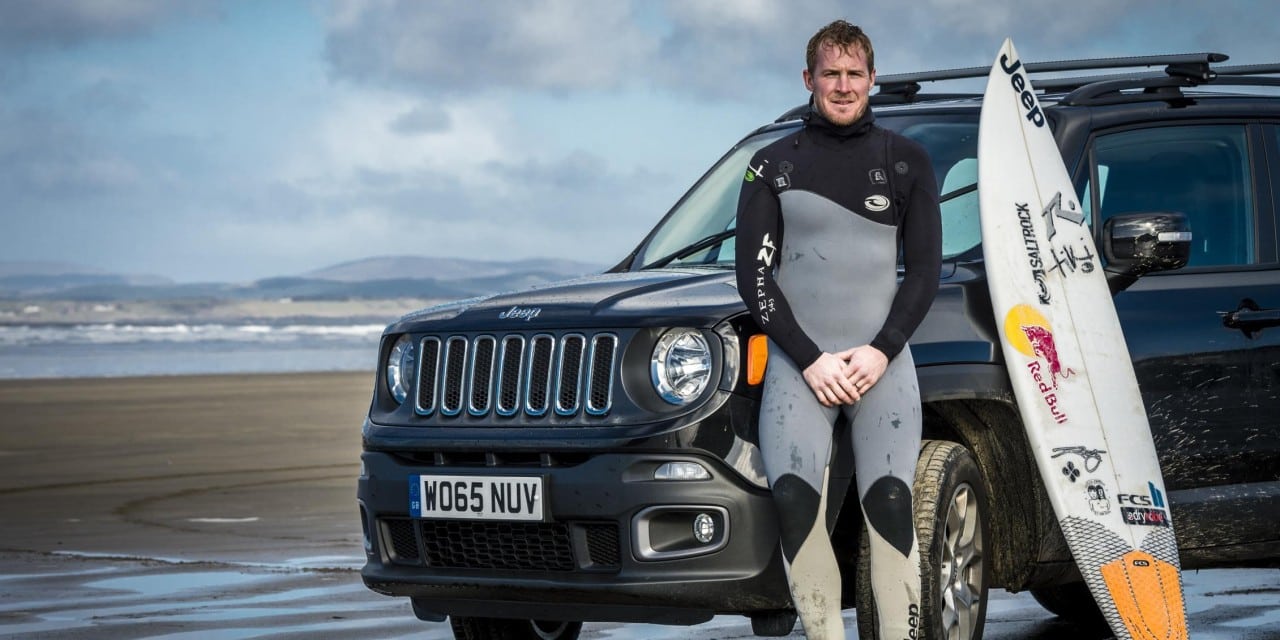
point(1021, 87)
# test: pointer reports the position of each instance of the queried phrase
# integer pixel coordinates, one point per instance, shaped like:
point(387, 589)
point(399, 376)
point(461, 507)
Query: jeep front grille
point(504, 375)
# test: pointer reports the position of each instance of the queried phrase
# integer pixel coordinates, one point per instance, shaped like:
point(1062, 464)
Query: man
point(822, 216)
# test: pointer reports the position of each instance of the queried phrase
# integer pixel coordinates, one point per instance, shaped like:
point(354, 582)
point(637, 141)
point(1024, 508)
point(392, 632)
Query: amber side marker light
point(757, 358)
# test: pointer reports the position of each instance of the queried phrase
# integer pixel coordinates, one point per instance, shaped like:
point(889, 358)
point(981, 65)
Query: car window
point(1201, 171)
point(953, 150)
point(712, 205)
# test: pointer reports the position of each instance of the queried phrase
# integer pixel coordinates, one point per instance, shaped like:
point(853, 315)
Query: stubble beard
point(840, 122)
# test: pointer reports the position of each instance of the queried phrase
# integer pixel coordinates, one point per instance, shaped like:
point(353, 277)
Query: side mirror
point(1136, 244)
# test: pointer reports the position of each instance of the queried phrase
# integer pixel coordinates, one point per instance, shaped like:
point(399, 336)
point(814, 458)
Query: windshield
point(711, 207)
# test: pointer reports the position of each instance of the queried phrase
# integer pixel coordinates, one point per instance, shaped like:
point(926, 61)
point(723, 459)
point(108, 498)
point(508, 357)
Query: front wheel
point(950, 501)
point(503, 629)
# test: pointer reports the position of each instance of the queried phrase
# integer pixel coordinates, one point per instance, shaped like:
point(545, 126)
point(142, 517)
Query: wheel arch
point(973, 404)
point(1020, 516)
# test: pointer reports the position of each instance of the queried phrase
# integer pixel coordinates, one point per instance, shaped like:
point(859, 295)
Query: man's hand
point(830, 383)
point(864, 366)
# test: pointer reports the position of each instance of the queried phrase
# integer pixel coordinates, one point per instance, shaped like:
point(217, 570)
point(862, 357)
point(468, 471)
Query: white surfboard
point(1070, 368)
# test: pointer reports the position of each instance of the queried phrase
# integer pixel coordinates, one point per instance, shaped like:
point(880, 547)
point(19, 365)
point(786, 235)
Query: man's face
point(840, 83)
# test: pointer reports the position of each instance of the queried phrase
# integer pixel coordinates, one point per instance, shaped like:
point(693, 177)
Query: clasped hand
point(842, 378)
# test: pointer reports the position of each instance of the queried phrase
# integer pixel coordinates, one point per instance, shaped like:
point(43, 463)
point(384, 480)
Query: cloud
point(466, 184)
point(421, 119)
point(361, 136)
point(739, 50)
point(109, 98)
point(458, 46)
point(46, 158)
point(40, 23)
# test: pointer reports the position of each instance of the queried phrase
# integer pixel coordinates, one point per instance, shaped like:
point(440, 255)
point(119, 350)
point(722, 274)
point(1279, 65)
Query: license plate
point(478, 497)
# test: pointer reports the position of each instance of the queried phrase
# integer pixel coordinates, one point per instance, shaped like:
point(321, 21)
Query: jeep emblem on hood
point(516, 313)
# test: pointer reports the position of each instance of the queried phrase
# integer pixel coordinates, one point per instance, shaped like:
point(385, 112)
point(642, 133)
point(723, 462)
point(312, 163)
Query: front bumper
point(614, 547)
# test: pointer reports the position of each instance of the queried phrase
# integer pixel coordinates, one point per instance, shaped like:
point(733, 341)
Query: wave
point(123, 334)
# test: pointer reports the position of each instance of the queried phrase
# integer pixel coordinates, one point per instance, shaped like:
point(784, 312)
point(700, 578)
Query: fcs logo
point(876, 203)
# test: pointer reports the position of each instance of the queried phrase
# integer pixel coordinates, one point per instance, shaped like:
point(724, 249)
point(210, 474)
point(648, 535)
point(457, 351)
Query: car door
point(1264, 445)
point(1199, 376)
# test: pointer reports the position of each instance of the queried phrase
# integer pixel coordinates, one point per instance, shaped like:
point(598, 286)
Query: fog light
point(667, 532)
point(704, 528)
point(681, 471)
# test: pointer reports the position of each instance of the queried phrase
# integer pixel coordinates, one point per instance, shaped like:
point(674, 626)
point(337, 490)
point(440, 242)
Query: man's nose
point(844, 83)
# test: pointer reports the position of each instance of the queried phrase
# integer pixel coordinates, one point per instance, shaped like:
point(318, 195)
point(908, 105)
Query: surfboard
point(1069, 366)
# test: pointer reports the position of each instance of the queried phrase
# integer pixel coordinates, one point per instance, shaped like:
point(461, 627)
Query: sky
point(234, 140)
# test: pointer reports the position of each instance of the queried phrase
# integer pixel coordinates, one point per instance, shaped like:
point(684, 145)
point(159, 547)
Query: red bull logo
point(1042, 345)
point(1030, 333)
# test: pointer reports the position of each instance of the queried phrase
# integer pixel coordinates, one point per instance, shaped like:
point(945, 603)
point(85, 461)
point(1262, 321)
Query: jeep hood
point(658, 297)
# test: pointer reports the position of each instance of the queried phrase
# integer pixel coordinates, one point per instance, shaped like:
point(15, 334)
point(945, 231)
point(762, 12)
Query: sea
point(114, 350)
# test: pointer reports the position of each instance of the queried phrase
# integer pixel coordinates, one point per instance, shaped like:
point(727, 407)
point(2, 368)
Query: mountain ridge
point(368, 278)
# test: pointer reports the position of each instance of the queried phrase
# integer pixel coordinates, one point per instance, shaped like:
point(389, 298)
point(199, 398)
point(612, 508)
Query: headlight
point(401, 369)
point(681, 366)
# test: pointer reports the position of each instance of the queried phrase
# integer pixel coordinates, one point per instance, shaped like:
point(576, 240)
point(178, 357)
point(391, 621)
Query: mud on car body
point(586, 450)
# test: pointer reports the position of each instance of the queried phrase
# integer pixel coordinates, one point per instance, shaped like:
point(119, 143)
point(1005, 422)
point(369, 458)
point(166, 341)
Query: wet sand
point(254, 468)
point(224, 507)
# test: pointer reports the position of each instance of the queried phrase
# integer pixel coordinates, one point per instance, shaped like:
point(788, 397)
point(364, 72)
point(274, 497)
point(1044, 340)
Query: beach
point(224, 506)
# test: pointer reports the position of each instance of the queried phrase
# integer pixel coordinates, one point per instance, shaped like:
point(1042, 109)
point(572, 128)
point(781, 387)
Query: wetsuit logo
point(876, 203)
point(766, 251)
point(878, 176)
point(765, 255)
point(1030, 334)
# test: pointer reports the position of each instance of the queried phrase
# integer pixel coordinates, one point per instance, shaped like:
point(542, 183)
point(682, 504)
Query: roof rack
point(1167, 86)
point(908, 84)
point(1181, 70)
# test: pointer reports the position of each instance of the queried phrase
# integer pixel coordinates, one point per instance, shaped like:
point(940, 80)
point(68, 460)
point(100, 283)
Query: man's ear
point(808, 80)
point(873, 82)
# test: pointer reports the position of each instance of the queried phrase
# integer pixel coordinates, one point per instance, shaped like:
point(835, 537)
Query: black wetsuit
point(822, 216)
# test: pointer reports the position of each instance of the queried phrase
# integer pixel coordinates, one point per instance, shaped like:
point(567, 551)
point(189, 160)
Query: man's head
point(841, 71)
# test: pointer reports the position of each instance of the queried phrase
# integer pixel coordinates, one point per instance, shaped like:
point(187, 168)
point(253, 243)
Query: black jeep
point(585, 451)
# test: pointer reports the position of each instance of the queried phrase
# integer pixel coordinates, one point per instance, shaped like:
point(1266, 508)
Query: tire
point(950, 500)
point(504, 629)
point(1071, 602)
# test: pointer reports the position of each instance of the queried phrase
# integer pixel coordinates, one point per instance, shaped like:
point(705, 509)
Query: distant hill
point(44, 268)
point(30, 278)
point(372, 278)
point(426, 268)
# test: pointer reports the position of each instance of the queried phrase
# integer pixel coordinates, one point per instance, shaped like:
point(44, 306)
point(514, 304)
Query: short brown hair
point(843, 35)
